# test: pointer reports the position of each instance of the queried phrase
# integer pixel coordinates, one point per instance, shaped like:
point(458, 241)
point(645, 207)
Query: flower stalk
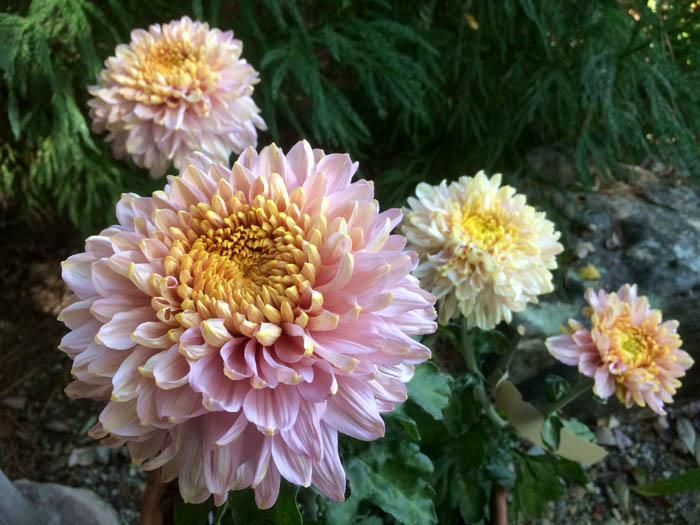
point(574, 393)
point(479, 390)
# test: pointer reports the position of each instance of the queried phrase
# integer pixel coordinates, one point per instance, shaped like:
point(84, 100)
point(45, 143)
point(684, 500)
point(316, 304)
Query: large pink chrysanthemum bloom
point(628, 350)
point(241, 318)
point(176, 89)
point(484, 252)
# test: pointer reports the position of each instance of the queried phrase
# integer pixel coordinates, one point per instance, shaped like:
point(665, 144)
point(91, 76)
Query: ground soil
point(40, 427)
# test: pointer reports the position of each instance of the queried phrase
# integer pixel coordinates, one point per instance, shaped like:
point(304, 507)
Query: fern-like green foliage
point(49, 161)
point(416, 90)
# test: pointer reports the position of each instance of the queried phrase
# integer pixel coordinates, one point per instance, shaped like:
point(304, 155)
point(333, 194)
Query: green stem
point(479, 390)
point(583, 386)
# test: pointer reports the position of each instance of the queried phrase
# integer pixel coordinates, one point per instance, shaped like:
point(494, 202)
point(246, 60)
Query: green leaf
point(244, 511)
point(575, 427)
point(541, 479)
point(555, 388)
point(488, 341)
point(390, 476)
point(406, 422)
point(408, 500)
point(452, 334)
point(430, 389)
point(13, 114)
point(410, 456)
point(463, 410)
point(193, 514)
point(499, 468)
point(682, 483)
point(471, 499)
point(551, 431)
point(472, 448)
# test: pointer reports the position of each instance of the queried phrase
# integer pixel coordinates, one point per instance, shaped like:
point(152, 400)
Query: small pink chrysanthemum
point(628, 350)
point(240, 319)
point(176, 89)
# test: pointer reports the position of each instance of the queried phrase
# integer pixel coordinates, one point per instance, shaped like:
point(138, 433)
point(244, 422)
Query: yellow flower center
point(250, 267)
point(166, 57)
point(170, 63)
point(167, 70)
point(488, 230)
point(631, 345)
point(634, 347)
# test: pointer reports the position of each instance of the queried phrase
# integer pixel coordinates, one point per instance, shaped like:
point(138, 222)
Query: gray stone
point(18, 403)
point(656, 232)
point(29, 503)
point(70, 506)
point(686, 433)
point(57, 426)
point(605, 436)
point(14, 507)
point(622, 440)
point(82, 457)
point(102, 454)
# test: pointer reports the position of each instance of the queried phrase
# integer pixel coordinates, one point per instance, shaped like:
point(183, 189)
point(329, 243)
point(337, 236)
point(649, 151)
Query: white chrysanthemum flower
point(173, 90)
point(484, 252)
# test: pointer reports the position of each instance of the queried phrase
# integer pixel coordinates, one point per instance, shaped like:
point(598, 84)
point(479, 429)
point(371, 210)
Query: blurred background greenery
point(414, 90)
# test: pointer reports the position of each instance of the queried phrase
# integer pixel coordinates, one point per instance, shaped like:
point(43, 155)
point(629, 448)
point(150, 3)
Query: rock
point(577, 493)
point(661, 424)
point(71, 506)
point(605, 436)
point(631, 461)
point(18, 403)
point(686, 433)
point(622, 491)
point(583, 248)
point(692, 409)
point(679, 447)
point(102, 454)
point(57, 426)
point(82, 457)
point(617, 515)
point(646, 233)
point(611, 495)
point(14, 507)
point(623, 442)
point(555, 161)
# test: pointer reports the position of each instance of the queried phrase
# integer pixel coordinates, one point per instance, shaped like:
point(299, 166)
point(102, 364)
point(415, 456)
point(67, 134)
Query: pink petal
point(80, 338)
point(272, 410)
point(219, 392)
point(604, 382)
point(178, 405)
point(170, 369)
point(353, 411)
point(128, 377)
point(328, 475)
point(564, 348)
point(191, 479)
point(76, 314)
point(294, 467)
point(76, 271)
point(305, 436)
point(339, 170)
point(105, 308)
point(267, 491)
point(117, 332)
point(323, 385)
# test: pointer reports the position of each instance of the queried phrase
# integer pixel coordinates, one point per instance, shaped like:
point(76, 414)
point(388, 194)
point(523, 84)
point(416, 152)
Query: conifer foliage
point(417, 90)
